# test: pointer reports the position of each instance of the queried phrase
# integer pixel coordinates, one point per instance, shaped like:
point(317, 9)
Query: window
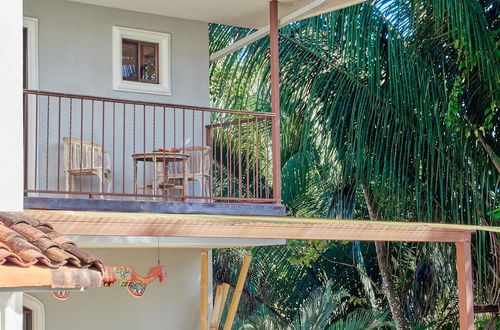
point(27, 318)
point(141, 61)
point(33, 313)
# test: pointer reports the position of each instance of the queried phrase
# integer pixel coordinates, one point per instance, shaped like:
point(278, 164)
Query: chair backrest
point(84, 155)
point(199, 162)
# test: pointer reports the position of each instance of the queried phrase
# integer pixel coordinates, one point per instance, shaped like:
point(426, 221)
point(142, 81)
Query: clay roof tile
point(25, 241)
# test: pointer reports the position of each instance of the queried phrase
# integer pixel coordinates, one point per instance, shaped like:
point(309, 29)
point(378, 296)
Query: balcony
point(95, 153)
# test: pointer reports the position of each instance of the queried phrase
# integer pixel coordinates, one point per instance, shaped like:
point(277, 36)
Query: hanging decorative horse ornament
point(125, 276)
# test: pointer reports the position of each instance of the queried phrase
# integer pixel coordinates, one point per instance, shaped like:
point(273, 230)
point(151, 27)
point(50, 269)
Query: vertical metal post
point(465, 292)
point(275, 99)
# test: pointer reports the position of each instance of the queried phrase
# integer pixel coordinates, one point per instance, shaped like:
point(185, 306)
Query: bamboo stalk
point(225, 293)
point(204, 291)
point(217, 307)
point(219, 303)
point(237, 293)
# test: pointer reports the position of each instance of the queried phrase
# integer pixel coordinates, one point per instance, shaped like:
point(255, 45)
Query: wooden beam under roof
point(199, 225)
point(15, 278)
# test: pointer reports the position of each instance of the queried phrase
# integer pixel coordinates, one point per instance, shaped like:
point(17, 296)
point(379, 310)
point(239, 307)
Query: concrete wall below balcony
point(173, 304)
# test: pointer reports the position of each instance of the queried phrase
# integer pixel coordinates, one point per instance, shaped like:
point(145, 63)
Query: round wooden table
point(161, 158)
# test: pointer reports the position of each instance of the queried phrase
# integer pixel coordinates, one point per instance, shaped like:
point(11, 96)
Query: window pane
point(129, 60)
point(149, 70)
point(27, 318)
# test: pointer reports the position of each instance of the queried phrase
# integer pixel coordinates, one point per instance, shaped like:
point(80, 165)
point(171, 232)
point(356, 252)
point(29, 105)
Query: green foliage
point(362, 319)
point(308, 252)
point(325, 303)
point(401, 96)
point(318, 309)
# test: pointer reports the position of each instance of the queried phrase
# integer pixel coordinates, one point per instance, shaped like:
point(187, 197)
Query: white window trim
point(163, 41)
point(38, 311)
point(31, 24)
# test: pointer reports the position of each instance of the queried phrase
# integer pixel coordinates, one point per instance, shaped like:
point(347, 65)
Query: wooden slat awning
point(190, 225)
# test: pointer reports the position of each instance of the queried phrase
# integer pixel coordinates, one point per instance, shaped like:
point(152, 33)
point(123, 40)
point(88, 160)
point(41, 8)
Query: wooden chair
point(199, 168)
point(83, 158)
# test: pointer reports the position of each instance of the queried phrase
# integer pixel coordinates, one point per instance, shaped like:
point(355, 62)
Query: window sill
point(137, 87)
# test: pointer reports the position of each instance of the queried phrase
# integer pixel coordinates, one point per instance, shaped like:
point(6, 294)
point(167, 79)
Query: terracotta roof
point(25, 241)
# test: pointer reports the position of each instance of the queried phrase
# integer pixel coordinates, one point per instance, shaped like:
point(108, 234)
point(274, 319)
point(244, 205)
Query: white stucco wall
point(75, 50)
point(75, 57)
point(173, 304)
point(11, 113)
point(11, 310)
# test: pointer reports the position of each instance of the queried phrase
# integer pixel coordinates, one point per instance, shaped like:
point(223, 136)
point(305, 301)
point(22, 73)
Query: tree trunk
point(494, 158)
point(397, 308)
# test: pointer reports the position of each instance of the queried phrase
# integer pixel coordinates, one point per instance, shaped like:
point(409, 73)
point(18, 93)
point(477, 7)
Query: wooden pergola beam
point(182, 225)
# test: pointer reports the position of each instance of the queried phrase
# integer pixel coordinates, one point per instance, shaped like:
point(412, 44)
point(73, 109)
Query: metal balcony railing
point(80, 146)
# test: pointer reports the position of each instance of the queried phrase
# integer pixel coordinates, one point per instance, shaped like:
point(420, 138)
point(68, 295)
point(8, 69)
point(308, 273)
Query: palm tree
point(389, 110)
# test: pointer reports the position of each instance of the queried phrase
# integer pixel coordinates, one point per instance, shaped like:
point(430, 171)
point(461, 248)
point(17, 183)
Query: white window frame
point(31, 23)
point(38, 310)
point(163, 40)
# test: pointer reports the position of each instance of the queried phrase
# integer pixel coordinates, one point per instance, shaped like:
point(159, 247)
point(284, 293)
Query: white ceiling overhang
point(244, 13)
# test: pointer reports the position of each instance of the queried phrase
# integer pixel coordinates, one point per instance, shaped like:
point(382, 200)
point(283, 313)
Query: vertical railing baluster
point(202, 184)
point(35, 183)
point(183, 142)
point(123, 147)
point(154, 163)
point(175, 141)
point(213, 144)
point(240, 179)
point(228, 157)
point(164, 128)
point(81, 142)
point(69, 162)
point(247, 151)
point(26, 132)
point(134, 152)
point(266, 132)
point(154, 127)
point(165, 164)
point(58, 141)
point(257, 182)
point(221, 163)
point(47, 146)
point(91, 147)
point(144, 149)
point(193, 114)
point(113, 150)
point(103, 132)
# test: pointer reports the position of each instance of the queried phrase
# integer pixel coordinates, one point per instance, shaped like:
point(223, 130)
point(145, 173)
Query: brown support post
point(204, 291)
point(465, 292)
point(275, 98)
